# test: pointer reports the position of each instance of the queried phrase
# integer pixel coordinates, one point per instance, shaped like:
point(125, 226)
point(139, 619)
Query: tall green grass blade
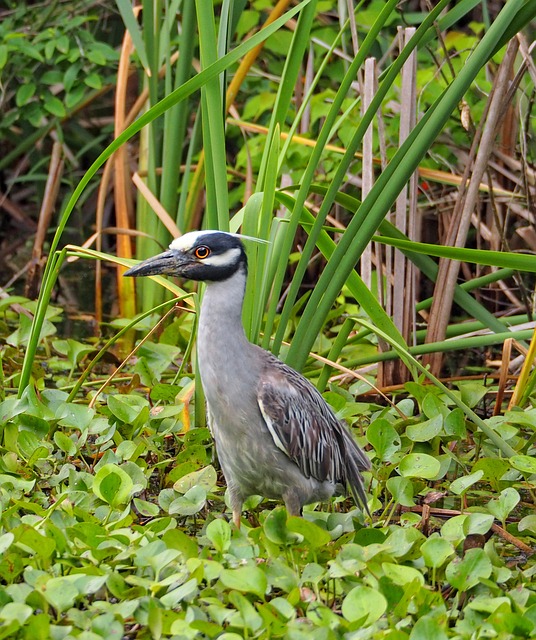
point(287, 84)
point(133, 28)
point(176, 118)
point(343, 167)
point(181, 93)
point(248, 219)
point(355, 284)
point(336, 349)
point(385, 191)
point(427, 266)
point(212, 113)
point(412, 363)
point(262, 284)
point(463, 344)
point(508, 260)
point(306, 181)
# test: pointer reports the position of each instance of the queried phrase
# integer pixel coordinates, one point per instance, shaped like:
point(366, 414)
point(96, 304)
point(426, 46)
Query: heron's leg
point(292, 503)
point(236, 500)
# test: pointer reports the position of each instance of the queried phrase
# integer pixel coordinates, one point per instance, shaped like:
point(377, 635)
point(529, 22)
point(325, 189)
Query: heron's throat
point(220, 321)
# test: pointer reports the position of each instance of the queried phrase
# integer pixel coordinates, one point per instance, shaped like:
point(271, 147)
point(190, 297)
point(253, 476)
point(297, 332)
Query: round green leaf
point(525, 464)
point(454, 424)
point(205, 478)
point(401, 490)
point(384, 438)
point(250, 579)
point(313, 535)
point(147, 509)
point(436, 551)
point(428, 628)
point(501, 506)
point(460, 485)
point(191, 502)
point(432, 406)
point(6, 540)
point(425, 431)
point(276, 530)
point(65, 443)
point(127, 408)
point(113, 485)
point(365, 604)
point(465, 573)
point(526, 523)
point(419, 465)
point(60, 593)
point(401, 574)
point(219, 533)
point(15, 611)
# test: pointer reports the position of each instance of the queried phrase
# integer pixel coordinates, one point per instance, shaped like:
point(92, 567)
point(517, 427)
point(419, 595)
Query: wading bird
point(275, 435)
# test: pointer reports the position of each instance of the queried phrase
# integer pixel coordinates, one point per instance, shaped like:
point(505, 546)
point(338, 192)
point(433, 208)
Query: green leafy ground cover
point(114, 522)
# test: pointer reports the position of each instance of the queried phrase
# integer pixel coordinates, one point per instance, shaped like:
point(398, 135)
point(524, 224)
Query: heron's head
point(209, 256)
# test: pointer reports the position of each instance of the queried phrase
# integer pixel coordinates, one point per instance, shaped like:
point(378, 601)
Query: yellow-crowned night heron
point(275, 435)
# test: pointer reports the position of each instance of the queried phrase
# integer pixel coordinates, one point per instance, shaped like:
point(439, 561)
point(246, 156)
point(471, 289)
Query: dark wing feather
point(305, 428)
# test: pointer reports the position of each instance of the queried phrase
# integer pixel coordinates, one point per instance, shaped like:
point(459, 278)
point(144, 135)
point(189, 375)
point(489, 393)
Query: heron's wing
point(306, 430)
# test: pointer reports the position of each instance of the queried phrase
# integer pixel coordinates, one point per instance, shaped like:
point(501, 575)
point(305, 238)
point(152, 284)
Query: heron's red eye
point(202, 252)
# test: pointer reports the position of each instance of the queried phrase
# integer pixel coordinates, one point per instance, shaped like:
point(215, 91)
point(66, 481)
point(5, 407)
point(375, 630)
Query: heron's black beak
point(168, 263)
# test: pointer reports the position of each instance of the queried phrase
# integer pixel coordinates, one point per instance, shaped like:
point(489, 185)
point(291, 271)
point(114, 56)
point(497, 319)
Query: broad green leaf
point(493, 468)
point(6, 540)
point(454, 424)
point(246, 615)
point(250, 579)
point(502, 506)
point(276, 530)
point(433, 406)
point(127, 408)
point(313, 535)
point(364, 604)
point(460, 485)
point(525, 464)
point(419, 465)
point(113, 485)
point(425, 431)
point(401, 574)
point(465, 573)
point(181, 594)
point(384, 438)
point(54, 106)
point(205, 478)
point(436, 551)
point(191, 502)
point(24, 93)
point(145, 508)
point(65, 443)
point(477, 523)
point(526, 523)
point(472, 392)
point(402, 490)
point(166, 392)
point(15, 611)
point(60, 593)
point(429, 627)
point(219, 533)
point(35, 541)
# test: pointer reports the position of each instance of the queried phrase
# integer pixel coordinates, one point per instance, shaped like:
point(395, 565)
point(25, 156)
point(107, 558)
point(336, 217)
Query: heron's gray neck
point(220, 321)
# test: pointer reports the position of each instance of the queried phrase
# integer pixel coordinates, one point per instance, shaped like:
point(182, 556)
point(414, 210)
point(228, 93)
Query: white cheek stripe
point(222, 259)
